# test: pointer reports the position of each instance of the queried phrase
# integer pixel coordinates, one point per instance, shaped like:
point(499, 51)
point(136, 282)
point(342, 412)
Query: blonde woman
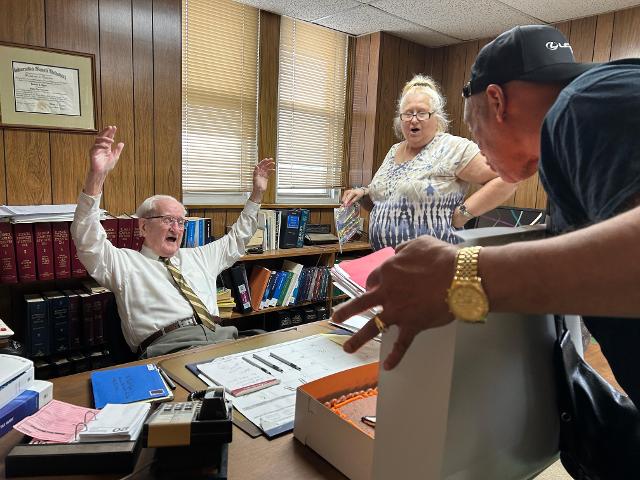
point(420, 187)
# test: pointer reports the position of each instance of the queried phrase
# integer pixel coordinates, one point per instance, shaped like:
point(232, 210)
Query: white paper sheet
point(272, 409)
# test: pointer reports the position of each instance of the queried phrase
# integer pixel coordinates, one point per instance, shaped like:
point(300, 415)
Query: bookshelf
point(320, 255)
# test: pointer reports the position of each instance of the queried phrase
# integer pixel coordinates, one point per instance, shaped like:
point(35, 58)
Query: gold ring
point(380, 324)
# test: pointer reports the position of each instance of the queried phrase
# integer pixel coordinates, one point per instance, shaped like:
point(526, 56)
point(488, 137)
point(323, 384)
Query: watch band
point(467, 263)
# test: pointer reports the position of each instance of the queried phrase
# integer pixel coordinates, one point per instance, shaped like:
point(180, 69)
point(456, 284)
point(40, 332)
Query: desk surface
point(249, 458)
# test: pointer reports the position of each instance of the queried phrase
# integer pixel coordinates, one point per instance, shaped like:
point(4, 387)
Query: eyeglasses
point(168, 220)
point(408, 116)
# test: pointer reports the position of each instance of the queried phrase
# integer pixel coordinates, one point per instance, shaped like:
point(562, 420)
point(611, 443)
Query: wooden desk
point(249, 458)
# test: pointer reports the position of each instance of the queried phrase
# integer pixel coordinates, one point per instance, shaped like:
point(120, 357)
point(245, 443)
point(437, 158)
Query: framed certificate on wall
point(47, 89)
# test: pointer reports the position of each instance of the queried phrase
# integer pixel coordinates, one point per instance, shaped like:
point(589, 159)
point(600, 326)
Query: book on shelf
point(258, 281)
point(75, 319)
point(77, 268)
point(267, 291)
point(8, 270)
point(304, 219)
point(236, 280)
point(37, 326)
point(288, 276)
point(44, 250)
point(289, 228)
point(87, 312)
point(296, 270)
point(58, 304)
point(61, 251)
point(110, 225)
point(136, 237)
point(225, 302)
point(125, 231)
point(25, 252)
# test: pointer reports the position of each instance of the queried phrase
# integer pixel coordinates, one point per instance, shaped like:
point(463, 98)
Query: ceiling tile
point(458, 18)
point(365, 19)
point(308, 10)
point(557, 11)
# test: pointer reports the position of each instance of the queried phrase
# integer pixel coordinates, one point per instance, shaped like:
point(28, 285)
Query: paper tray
point(347, 448)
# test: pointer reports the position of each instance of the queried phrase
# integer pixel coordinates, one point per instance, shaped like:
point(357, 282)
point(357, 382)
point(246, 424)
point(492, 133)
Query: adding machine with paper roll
point(191, 438)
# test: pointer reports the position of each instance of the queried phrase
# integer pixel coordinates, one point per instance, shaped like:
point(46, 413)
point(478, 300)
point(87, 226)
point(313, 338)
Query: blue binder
point(128, 385)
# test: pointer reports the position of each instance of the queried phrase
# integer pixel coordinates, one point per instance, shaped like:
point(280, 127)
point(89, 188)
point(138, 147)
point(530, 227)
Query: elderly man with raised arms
point(166, 295)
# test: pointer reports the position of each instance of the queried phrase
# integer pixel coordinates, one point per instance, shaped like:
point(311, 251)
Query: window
point(219, 100)
point(311, 112)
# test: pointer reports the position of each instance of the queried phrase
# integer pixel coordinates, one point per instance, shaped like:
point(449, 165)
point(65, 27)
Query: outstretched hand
point(261, 174)
point(411, 287)
point(103, 156)
point(103, 159)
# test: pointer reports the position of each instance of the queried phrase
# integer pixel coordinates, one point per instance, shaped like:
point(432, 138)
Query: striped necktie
point(199, 309)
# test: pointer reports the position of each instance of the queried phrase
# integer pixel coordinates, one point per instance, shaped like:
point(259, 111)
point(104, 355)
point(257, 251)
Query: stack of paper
point(116, 423)
point(40, 213)
point(225, 302)
point(351, 277)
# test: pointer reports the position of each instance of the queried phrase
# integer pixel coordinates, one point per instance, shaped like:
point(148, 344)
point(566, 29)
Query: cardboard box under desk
point(346, 447)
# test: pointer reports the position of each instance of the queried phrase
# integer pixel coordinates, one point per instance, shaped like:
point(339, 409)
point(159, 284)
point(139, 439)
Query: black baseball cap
point(535, 53)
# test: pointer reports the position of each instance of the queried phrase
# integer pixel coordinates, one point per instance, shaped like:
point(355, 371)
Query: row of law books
point(283, 228)
point(63, 321)
point(46, 251)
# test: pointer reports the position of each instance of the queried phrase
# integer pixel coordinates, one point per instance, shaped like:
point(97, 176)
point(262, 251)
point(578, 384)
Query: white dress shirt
point(145, 292)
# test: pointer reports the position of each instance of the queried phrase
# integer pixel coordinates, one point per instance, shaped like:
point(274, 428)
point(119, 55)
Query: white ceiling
point(436, 23)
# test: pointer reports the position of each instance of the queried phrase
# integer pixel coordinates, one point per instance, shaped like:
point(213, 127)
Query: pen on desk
point(251, 362)
point(286, 362)
point(268, 363)
point(170, 382)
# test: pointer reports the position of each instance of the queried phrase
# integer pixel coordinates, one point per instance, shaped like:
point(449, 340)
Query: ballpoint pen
point(286, 362)
point(267, 363)
point(251, 362)
point(166, 378)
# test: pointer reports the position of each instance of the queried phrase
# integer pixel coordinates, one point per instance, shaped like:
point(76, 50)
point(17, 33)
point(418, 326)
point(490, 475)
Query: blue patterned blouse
point(418, 197)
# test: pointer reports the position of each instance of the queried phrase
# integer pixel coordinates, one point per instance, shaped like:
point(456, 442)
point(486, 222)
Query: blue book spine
point(191, 234)
point(304, 218)
point(268, 290)
point(202, 240)
point(296, 289)
point(20, 407)
point(278, 288)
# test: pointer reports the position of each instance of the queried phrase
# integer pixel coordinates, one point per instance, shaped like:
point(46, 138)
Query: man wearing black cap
point(530, 106)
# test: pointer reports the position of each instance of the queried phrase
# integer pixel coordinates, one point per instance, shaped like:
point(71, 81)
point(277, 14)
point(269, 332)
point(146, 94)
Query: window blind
point(219, 96)
point(311, 106)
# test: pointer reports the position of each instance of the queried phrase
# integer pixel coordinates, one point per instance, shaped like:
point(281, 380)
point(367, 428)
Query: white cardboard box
point(346, 447)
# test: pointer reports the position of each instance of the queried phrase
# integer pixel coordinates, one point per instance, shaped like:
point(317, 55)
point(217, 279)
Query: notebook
point(140, 383)
point(116, 422)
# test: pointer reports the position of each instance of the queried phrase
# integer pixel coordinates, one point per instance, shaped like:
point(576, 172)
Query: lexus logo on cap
point(556, 45)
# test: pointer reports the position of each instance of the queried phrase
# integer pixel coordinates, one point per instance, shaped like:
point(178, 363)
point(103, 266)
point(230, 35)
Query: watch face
point(468, 302)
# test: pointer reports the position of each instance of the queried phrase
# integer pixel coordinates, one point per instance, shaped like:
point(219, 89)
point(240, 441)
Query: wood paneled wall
point(383, 62)
point(137, 46)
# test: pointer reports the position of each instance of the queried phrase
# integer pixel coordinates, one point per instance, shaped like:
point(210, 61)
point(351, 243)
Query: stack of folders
point(115, 423)
point(350, 276)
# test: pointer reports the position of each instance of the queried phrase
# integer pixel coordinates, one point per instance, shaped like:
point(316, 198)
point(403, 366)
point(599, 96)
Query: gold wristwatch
point(466, 298)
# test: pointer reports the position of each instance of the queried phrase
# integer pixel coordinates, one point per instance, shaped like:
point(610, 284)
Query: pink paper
point(360, 268)
point(56, 422)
